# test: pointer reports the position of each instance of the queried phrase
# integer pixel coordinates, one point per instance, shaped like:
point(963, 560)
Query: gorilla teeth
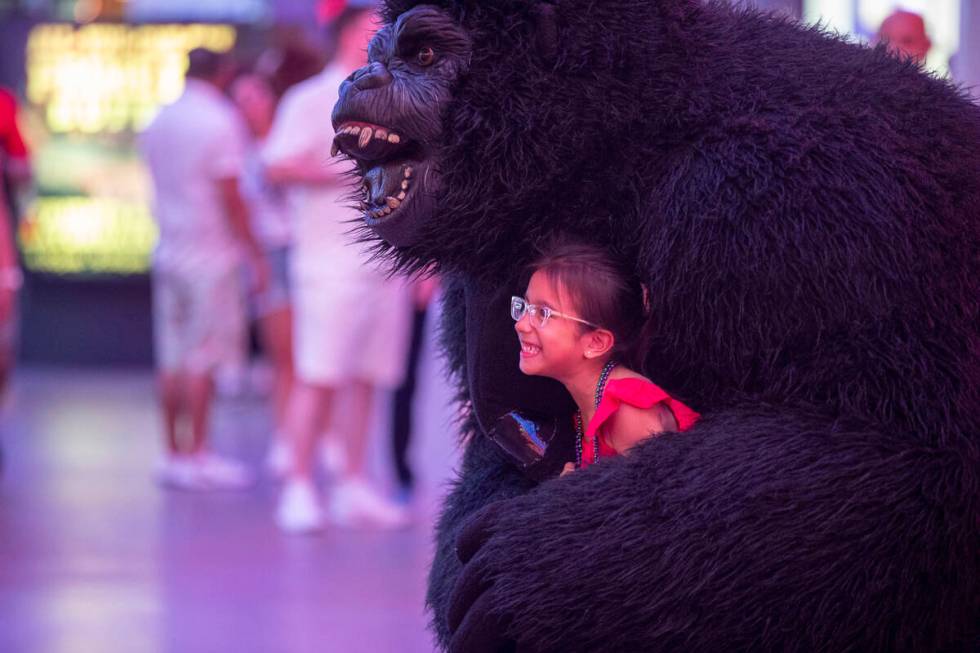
point(401, 195)
point(366, 134)
point(393, 202)
point(334, 149)
point(380, 133)
point(408, 172)
point(394, 139)
point(404, 184)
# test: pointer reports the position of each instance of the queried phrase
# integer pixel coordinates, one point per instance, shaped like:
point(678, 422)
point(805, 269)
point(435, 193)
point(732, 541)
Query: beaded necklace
point(579, 432)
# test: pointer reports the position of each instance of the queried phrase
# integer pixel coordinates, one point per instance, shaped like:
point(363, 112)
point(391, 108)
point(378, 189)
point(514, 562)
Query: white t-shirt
point(189, 146)
point(268, 209)
point(302, 130)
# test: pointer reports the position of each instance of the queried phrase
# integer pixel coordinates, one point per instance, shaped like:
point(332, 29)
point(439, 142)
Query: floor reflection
point(95, 557)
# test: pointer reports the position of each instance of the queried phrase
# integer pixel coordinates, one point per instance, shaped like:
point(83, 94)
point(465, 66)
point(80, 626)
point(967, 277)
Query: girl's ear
point(598, 343)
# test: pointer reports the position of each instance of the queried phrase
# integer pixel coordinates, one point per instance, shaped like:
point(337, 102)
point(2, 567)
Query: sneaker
point(182, 473)
point(299, 508)
point(279, 460)
point(333, 455)
point(354, 503)
point(223, 472)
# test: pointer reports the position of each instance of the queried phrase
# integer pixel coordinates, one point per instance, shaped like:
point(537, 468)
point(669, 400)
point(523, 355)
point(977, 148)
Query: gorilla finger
point(482, 631)
point(475, 533)
point(473, 581)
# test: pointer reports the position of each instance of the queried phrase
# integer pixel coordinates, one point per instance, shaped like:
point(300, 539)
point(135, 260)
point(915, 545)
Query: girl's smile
point(555, 347)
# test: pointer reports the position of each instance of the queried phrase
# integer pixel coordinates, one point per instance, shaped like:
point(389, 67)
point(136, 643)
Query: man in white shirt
point(351, 324)
point(194, 150)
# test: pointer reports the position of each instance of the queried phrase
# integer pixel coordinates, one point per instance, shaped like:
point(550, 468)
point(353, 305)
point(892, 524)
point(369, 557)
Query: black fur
point(805, 214)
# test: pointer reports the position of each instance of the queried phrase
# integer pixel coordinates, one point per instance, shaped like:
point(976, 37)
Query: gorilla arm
point(482, 350)
point(486, 477)
point(738, 535)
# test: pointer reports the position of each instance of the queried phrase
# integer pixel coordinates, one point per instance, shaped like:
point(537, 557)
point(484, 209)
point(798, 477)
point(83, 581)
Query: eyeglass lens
point(538, 315)
point(517, 308)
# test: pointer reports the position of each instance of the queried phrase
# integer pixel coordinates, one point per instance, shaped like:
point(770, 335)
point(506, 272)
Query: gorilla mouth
point(388, 163)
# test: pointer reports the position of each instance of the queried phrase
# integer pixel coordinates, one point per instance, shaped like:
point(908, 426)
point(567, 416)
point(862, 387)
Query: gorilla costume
point(806, 215)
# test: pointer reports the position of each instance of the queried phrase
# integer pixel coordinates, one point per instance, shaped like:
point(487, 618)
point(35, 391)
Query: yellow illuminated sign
point(92, 87)
point(71, 235)
point(104, 77)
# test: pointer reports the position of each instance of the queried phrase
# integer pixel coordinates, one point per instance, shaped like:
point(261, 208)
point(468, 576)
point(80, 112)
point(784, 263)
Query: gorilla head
point(481, 106)
point(389, 118)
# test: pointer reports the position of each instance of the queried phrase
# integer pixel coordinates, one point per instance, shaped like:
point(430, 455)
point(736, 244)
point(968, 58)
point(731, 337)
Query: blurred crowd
point(254, 224)
point(254, 228)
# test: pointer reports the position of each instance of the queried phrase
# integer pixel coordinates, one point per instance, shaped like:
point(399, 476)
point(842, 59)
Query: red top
point(638, 393)
point(11, 142)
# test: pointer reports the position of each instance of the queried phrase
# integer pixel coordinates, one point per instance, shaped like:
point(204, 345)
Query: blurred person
point(15, 173)
point(293, 62)
point(15, 160)
point(270, 222)
point(195, 150)
point(422, 291)
point(350, 327)
point(10, 283)
point(904, 34)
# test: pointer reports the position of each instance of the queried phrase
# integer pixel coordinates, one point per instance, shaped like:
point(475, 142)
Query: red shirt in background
point(11, 142)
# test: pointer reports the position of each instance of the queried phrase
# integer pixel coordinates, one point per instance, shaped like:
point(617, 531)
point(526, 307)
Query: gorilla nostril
point(370, 76)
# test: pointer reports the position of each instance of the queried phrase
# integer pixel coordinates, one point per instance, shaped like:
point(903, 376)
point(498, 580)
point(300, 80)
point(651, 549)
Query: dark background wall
point(86, 321)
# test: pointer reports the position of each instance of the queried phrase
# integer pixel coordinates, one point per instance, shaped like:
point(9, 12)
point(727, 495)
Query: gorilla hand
point(473, 622)
point(523, 558)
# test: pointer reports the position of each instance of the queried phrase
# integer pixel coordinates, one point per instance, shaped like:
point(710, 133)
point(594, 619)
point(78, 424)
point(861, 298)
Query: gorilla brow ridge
point(430, 26)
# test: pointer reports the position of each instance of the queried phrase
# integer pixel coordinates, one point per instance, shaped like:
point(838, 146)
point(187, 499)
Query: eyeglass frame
point(547, 313)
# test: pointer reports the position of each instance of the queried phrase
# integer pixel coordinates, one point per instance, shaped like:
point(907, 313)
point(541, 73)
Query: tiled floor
point(94, 557)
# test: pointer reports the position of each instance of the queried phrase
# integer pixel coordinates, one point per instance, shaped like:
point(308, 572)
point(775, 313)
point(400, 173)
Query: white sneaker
point(279, 460)
point(299, 508)
point(333, 455)
point(353, 503)
point(181, 472)
point(224, 473)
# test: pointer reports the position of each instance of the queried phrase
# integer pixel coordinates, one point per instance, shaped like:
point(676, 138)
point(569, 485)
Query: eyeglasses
point(539, 315)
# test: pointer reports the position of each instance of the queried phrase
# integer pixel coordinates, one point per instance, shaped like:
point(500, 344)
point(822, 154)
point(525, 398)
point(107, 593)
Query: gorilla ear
point(546, 31)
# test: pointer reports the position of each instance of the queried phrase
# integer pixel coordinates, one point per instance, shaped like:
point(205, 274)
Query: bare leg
point(354, 500)
point(276, 329)
point(360, 397)
point(171, 401)
point(309, 408)
point(200, 390)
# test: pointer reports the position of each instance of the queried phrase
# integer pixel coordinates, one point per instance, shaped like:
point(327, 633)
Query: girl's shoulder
point(633, 394)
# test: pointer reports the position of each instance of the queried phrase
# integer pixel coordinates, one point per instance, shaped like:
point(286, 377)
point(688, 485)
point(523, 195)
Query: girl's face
point(558, 348)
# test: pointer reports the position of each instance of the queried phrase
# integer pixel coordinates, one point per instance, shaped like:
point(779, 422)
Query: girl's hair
point(606, 292)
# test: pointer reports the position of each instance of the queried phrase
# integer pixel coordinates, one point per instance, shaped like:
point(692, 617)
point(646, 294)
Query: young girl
point(580, 322)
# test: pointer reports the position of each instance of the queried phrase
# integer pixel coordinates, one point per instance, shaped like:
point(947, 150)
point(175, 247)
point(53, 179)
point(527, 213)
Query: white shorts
point(198, 319)
point(345, 330)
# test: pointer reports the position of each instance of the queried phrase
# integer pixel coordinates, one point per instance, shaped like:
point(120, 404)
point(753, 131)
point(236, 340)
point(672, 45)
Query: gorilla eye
point(425, 56)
